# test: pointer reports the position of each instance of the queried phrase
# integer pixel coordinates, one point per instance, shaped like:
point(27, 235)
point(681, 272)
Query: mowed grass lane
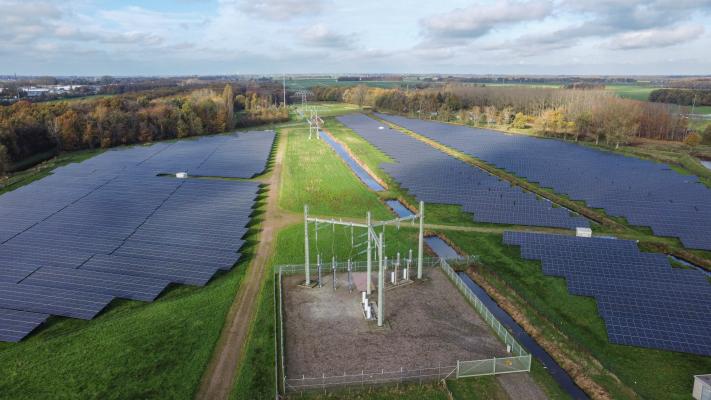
point(314, 174)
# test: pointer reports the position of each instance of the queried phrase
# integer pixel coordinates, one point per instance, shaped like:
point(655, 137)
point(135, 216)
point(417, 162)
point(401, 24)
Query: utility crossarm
point(397, 220)
point(373, 237)
point(336, 222)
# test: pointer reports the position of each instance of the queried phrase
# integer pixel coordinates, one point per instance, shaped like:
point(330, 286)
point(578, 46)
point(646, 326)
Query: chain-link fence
point(519, 362)
point(490, 319)
point(402, 375)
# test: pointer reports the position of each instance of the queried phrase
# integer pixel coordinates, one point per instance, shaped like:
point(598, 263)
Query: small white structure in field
point(181, 175)
point(702, 387)
point(381, 128)
point(583, 232)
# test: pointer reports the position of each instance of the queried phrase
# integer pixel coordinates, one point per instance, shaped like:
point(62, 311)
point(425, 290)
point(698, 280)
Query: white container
point(583, 232)
point(181, 175)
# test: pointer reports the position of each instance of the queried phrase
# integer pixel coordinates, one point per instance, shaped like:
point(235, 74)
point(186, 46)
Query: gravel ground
point(428, 324)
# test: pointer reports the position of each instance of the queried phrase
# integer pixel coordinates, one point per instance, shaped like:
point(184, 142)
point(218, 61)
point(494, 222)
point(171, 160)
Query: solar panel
point(111, 227)
point(642, 299)
point(644, 192)
point(15, 325)
point(435, 177)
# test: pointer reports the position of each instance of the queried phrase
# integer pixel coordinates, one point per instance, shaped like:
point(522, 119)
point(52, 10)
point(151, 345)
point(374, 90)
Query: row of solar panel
point(643, 300)
point(435, 177)
point(644, 192)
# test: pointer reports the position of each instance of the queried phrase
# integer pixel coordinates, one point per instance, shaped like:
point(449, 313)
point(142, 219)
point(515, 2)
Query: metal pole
point(421, 239)
point(333, 266)
point(381, 281)
point(318, 262)
point(370, 258)
point(306, 245)
point(350, 282)
point(397, 265)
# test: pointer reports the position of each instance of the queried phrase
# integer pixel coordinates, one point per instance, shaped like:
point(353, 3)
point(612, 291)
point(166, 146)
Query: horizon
point(228, 37)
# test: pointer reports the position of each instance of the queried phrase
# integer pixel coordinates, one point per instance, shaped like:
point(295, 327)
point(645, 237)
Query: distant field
point(307, 83)
point(537, 85)
point(634, 92)
point(330, 109)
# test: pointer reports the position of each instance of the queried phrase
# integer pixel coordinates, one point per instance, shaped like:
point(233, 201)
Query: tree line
point(683, 97)
point(592, 114)
point(28, 129)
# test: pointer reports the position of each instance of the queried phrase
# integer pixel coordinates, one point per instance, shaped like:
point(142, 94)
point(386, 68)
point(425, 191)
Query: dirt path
point(220, 375)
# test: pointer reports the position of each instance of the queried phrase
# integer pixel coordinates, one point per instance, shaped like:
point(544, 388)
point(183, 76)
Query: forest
point(31, 129)
point(591, 114)
point(683, 97)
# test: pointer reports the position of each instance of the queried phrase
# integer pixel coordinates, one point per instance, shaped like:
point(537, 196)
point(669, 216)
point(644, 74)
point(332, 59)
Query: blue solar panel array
point(109, 227)
point(435, 177)
point(646, 193)
point(642, 299)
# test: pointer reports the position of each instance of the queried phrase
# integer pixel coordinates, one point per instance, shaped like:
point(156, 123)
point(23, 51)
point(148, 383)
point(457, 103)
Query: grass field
point(635, 92)
point(296, 84)
point(327, 109)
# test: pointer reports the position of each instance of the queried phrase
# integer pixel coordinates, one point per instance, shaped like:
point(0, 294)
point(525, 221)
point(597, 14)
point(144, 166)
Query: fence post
point(457, 375)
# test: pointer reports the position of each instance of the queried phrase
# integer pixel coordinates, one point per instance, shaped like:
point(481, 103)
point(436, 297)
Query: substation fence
point(520, 361)
point(490, 319)
point(356, 266)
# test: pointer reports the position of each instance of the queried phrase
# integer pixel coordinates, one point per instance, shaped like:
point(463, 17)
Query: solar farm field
point(110, 227)
point(435, 177)
point(645, 193)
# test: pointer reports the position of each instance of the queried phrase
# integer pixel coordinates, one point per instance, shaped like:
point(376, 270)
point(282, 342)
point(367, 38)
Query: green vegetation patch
point(314, 174)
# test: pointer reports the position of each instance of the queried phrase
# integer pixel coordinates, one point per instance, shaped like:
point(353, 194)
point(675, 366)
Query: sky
point(191, 37)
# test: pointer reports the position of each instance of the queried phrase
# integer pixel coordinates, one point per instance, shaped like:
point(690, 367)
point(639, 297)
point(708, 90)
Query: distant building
point(34, 91)
point(702, 387)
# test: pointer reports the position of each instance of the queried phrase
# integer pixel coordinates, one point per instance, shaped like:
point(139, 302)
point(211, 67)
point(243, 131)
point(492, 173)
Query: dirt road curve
point(220, 375)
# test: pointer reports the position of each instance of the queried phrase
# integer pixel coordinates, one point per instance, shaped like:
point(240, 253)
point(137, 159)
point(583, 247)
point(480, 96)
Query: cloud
point(320, 35)
point(477, 20)
point(650, 38)
point(23, 22)
point(281, 10)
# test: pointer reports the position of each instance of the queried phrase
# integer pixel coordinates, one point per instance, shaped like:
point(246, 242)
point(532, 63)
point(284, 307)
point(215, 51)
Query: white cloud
point(281, 10)
point(478, 20)
point(661, 37)
point(319, 35)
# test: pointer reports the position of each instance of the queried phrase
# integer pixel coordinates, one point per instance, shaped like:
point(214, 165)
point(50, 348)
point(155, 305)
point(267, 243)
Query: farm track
point(220, 375)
